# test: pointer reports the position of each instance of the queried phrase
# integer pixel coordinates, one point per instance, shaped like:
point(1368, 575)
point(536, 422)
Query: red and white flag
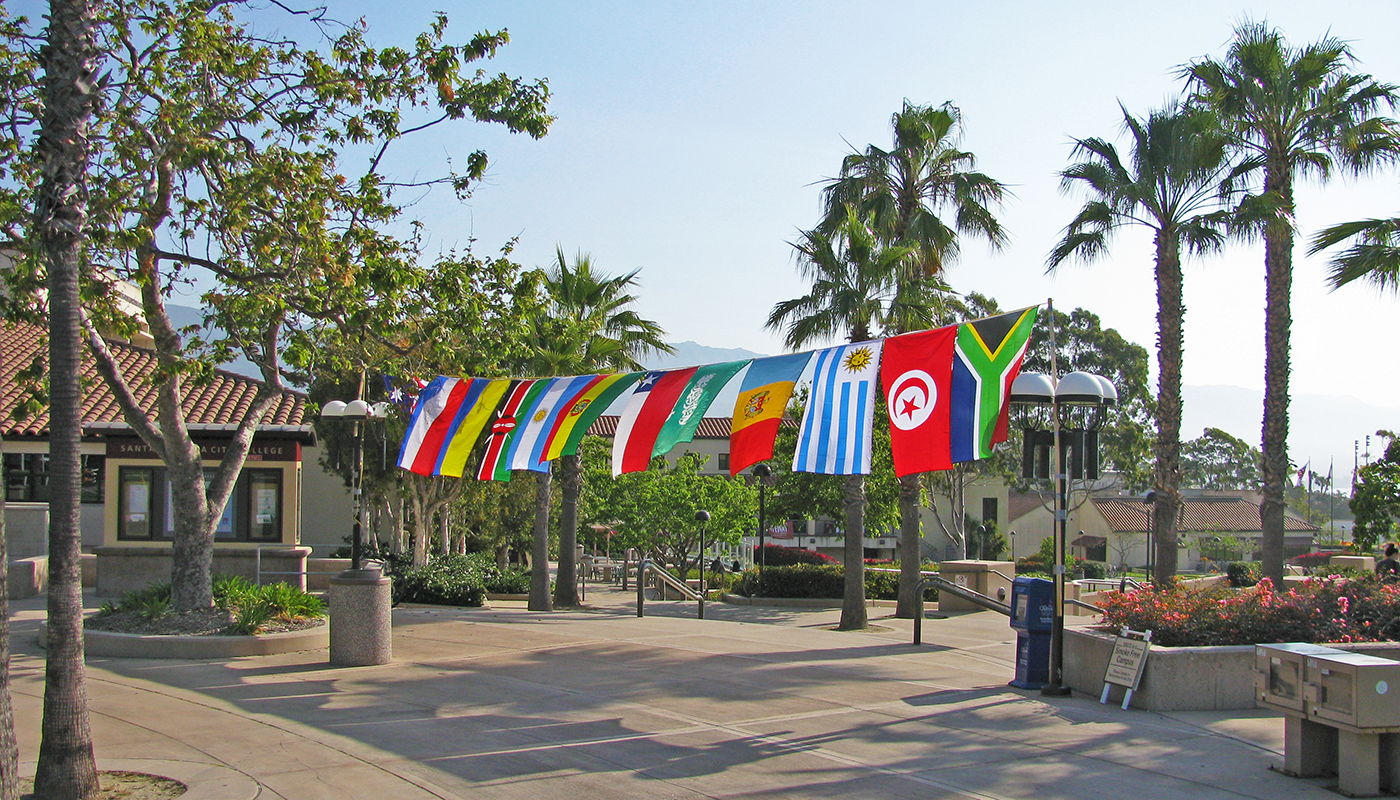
point(917, 375)
point(647, 409)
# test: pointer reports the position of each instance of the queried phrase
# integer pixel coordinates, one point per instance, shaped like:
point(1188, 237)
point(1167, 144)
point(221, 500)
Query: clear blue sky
point(690, 139)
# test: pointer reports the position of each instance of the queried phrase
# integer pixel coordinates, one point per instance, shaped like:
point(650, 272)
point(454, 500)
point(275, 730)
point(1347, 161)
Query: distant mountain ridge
point(691, 354)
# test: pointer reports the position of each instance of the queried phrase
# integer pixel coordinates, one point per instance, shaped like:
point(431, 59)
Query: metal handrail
point(976, 598)
point(666, 578)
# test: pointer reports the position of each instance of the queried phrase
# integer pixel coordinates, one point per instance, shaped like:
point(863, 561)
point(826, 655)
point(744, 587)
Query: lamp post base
point(361, 620)
point(1048, 690)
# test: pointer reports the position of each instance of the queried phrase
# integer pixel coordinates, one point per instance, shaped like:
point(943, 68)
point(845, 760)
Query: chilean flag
point(917, 376)
point(647, 409)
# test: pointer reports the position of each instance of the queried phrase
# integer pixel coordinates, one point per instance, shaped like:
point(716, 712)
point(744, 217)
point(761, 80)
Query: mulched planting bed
point(207, 622)
point(123, 786)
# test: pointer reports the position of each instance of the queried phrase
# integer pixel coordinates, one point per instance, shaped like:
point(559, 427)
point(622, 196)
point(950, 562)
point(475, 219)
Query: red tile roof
point(1223, 514)
point(221, 402)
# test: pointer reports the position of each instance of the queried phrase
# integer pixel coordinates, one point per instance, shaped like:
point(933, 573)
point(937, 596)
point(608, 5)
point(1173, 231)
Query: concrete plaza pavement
point(752, 702)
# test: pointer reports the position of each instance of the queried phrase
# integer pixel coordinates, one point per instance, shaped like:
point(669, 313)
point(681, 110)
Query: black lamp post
point(1150, 500)
point(1065, 415)
point(763, 472)
point(702, 517)
point(358, 412)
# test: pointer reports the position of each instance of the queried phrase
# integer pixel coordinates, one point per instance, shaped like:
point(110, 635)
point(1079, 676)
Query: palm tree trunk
point(853, 615)
point(1278, 318)
point(1171, 310)
point(566, 578)
point(9, 747)
point(67, 769)
point(539, 556)
point(910, 534)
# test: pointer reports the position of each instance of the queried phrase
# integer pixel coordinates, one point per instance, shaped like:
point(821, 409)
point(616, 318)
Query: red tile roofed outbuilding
point(221, 402)
point(1223, 514)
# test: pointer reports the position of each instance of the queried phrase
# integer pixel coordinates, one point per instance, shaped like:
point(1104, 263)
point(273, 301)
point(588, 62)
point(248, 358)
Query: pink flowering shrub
point(1331, 609)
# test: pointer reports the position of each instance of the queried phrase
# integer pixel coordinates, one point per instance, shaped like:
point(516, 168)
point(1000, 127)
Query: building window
point(145, 505)
point(27, 477)
point(134, 503)
point(989, 510)
point(723, 462)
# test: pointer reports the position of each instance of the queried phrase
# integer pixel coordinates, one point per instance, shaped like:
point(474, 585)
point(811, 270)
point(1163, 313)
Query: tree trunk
point(192, 551)
point(67, 769)
point(566, 579)
point(539, 557)
point(1171, 310)
point(9, 747)
point(910, 534)
point(1278, 285)
point(853, 615)
point(445, 543)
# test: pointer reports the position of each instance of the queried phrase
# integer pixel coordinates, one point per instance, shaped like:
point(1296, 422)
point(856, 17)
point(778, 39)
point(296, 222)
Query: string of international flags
point(945, 391)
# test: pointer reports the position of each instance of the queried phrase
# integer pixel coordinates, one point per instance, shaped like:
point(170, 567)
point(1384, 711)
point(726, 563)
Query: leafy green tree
point(222, 162)
point(925, 194)
point(1374, 255)
point(655, 510)
point(1169, 183)
point(1375, 499)
point(1289, 111)
point(586, 324)
point(1218, 461)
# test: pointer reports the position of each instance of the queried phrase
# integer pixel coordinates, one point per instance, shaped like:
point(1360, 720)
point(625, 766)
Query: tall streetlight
point(1065, 415)
point(702, 517)
point(358, 412)
point(360, 599)
point(764, 474)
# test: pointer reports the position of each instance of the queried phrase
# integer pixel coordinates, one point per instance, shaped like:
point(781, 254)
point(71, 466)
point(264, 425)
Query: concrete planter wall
point(126, 569)
point(1181, 678)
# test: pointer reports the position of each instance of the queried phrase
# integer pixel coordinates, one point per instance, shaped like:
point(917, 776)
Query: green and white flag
point(705, 385)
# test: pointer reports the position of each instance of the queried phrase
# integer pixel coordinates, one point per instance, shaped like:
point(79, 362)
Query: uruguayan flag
point(835, 436)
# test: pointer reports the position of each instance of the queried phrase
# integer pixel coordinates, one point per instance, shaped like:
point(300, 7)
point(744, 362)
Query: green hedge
point(1243, 574)
point(819, 581)
point(455, 580)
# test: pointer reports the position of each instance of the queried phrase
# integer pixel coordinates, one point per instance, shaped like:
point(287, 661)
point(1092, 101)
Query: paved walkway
point(751, 702)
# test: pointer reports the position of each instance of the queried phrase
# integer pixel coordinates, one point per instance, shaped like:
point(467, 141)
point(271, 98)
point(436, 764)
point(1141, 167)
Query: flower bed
point(1330, 609)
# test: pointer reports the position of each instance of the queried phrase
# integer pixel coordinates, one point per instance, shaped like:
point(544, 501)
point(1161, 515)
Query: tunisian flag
point(917, 376)
point(647, 409)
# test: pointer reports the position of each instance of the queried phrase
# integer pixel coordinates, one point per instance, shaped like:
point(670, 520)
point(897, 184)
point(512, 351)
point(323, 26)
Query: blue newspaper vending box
point(1033, 617)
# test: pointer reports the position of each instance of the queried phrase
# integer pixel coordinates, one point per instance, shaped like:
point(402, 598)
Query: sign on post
point(1126, 664)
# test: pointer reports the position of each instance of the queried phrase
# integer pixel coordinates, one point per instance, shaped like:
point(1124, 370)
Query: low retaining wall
point(28, 577)
point(132, 645)
point(126, 569)
point(319, 572)
point(1181, 678)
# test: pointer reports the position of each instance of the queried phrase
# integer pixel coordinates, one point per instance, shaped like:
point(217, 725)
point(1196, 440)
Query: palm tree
point(1289, 111)
point(901, 193)
point(854, 291)
point(66, 769)
point(1375, 255)
point(1169, 185)
point(589, 326)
